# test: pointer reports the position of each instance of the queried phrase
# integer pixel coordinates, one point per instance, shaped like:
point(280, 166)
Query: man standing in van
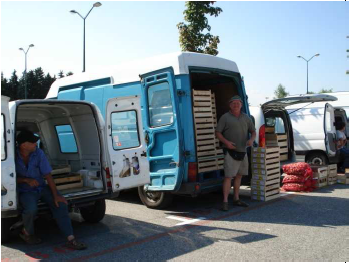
point(232, 130)
point(32, 168)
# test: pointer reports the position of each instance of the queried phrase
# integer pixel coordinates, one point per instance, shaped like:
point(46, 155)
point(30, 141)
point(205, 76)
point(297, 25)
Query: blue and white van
point(182, 97)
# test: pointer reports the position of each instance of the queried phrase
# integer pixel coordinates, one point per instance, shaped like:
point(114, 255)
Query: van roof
point(130, 71)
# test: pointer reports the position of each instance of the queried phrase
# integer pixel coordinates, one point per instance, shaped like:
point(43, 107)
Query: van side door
point(329, 130)
point(8, 171)
point(126, 146)
point(162, 130)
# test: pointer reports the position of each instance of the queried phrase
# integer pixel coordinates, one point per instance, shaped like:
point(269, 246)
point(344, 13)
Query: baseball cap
point(26, 136)
point(236, 98)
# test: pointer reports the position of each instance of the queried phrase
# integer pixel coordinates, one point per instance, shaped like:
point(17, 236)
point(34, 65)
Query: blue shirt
point(38, 167)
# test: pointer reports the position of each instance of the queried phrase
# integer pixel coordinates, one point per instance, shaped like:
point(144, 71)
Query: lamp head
point(299, 56)
point(31, 45)
point(20, 48)
point(73, 11)
point(317, 54)
point(97, 4)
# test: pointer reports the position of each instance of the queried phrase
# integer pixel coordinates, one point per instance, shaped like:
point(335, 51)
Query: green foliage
point(38, 85)
point(280, 92)
point(310, 92)
point(191, 36)
point(326, 91)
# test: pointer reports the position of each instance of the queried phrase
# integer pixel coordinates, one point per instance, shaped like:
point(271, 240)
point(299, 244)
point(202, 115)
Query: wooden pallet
point(210, 156)
point(68, 181)
point(60, 169)
point(283, 146)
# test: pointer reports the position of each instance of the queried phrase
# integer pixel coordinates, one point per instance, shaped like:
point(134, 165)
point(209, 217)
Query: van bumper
point(196, 188)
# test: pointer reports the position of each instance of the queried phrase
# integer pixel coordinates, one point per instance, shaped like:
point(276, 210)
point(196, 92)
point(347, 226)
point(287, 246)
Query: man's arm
point(26, 180)
point(252, 139)
point(57, 198)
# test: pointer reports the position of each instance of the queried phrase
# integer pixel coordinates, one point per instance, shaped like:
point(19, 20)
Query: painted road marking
point(186, 221)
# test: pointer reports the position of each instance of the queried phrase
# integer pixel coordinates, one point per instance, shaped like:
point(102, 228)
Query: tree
point(326, 91)
point(61, 74)
point(191, 37)
point(280, 92)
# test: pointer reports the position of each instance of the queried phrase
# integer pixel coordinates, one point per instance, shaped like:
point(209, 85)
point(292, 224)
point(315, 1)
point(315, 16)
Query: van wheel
point(155, 200)
point(317, 159)
point(94, 213)
point(6, 223)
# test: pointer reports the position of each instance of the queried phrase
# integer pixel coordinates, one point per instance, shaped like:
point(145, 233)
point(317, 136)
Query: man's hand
point(32, 182)
point(230, 145)
point(249, 142)
point(58, 199)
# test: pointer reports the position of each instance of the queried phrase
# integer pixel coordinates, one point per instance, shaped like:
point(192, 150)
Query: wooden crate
point(283, 146)
point(68, 181)
point(342, 179)
point(332, 174)
point(265, 195)
point(60, 169)
point(210, 156)
point(269, 129)
point(320, 174)
point(271, 140)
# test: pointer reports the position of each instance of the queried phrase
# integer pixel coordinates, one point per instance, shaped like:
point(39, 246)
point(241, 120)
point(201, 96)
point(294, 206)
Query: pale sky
point(263, 38)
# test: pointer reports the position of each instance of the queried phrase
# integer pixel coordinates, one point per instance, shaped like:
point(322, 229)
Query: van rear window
point(66, 139)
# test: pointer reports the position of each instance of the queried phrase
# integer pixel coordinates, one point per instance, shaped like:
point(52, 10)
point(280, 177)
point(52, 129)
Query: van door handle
point(143, 154)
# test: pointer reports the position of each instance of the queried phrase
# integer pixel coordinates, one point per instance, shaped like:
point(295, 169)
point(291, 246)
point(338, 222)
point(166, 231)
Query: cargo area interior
point(210, 95)
point(66, 131)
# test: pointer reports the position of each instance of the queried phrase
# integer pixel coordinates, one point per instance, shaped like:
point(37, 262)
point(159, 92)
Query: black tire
point(6, 223)
point(155, 200)
point(317, 159)
point(94, 213)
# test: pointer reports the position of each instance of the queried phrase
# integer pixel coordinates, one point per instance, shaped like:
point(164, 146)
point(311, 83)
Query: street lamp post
point(97, 4)
point(25, 69)
point(316, 55)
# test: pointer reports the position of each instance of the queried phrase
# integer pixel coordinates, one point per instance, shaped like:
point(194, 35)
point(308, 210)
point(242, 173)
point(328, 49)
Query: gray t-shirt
point(236, 129)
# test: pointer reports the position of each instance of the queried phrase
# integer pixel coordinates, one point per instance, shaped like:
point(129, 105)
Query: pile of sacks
point(298, 177)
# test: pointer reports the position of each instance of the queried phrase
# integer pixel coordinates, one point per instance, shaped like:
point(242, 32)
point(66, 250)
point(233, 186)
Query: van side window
point(279, 125)
point(3, 138)
point(329, 122)
point(124, 130)
point(160, 105)
point(66, 138)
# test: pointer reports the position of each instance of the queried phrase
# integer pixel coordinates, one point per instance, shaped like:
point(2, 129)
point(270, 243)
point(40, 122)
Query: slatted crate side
point(264, 182)
point(258, 187)
point(68, 181)
point(264, 161)
point(265, 171)
point(265, 149)
point(265, 198)
point(321, 182)
point(260, 177)
point(207, 165)
point(333, 169)
point(265, 195)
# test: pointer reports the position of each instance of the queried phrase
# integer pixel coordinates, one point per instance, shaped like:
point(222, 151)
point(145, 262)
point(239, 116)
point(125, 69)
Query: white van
point(87, 167)
point(315, 132)
point(272, 115)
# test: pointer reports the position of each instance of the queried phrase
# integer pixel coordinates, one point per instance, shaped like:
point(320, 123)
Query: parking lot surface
point(295, 227)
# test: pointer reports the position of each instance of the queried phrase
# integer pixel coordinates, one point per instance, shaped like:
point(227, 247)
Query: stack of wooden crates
point(210, 156)
point(280, 140)
point(265, 166)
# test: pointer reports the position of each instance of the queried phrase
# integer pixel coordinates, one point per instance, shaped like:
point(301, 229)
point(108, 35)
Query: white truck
point(87, 166)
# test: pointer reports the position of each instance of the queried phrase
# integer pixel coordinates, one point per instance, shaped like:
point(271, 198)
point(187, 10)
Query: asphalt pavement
point(295, 227)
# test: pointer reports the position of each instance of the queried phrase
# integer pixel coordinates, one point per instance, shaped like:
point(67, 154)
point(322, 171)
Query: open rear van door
point(329, 130)
point(8, 171)
point(129, 165)
point(162, 130)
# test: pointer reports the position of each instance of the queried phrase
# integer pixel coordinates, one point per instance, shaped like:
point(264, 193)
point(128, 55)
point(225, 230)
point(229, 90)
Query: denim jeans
point(29, 202)
point(345, 154)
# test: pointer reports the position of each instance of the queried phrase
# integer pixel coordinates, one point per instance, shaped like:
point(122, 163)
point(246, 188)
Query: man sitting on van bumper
point(32, 168)
point(232, 130)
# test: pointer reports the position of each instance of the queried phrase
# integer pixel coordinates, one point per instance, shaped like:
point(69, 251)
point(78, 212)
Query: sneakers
point(240, 203)
point(74, 244)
